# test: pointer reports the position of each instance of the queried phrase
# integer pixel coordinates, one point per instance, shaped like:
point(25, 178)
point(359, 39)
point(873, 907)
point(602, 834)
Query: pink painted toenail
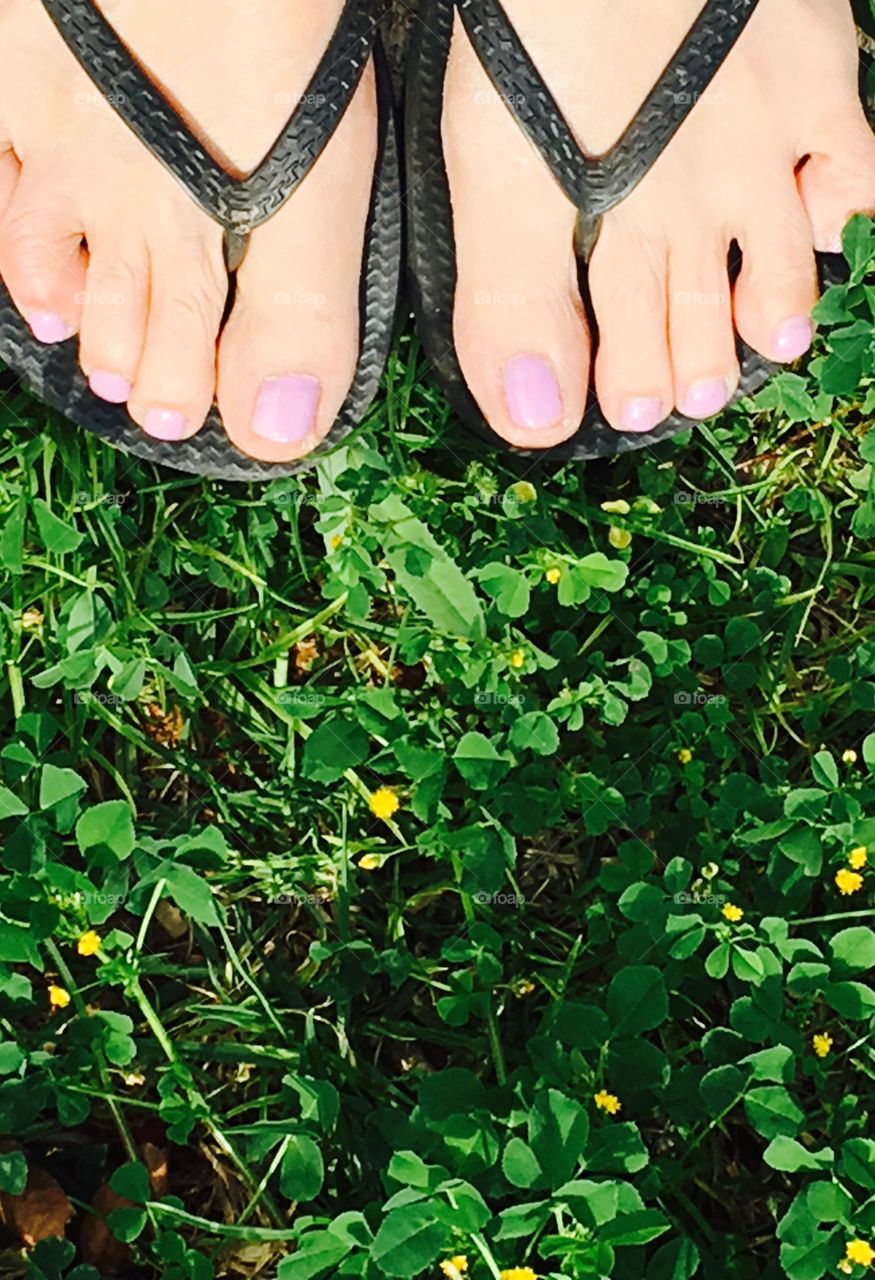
point(705, 398)
point(531, 392)
point(48, 327)
point(110, 386)
point(286, 408)
point(165, 424)
point(793, 338)
point(642, 414)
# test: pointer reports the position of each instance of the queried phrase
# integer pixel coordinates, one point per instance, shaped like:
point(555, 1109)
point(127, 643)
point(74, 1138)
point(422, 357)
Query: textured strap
point(237, 204)
point(597, 183)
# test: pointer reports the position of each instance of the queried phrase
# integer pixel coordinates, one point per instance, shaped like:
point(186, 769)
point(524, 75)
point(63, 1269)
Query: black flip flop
point(595, 185)
point(240, 206)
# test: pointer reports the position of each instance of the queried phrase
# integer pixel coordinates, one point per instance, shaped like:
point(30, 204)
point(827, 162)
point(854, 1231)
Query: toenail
point(793, 338)
point(110, 386)
point(48, 327)
point(642, 414)
point(705, 398)
point(286, 408)
point(531, 391)
point(165, 424)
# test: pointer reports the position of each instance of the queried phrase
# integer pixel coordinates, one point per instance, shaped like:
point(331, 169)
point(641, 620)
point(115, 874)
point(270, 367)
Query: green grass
point(204, 685)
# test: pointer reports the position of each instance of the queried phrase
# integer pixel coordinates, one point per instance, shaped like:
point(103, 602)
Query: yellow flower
point(58, 997)
point(732, 913)
point(455, 1268)
point(858, 857)
point(861, 1252)
point(848, 882)
point(523, 987)
point(618, 507)
point(822, 1043)
point(383, 803)
point(31, 620)
point(523, 491)
point(89, 943)
point(849, 756)
point(710, 870)
point(517, 659)
point(608, 1102)
point(336, 541)
point(553, 575)
point(519, 1273)
point(619, 538)
point(685, 755)
point(370, 862)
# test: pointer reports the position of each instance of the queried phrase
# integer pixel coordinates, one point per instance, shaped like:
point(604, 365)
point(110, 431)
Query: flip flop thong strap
point(237, 204)
point(597, 183)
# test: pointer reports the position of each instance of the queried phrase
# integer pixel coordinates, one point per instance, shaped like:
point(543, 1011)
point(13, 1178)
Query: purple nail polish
point(110, 386)
point(286, 408)
point(531, 392)
point(165, 424)
point(705, 398)
point(793, 338)
point(48, 327)
point(642, 414)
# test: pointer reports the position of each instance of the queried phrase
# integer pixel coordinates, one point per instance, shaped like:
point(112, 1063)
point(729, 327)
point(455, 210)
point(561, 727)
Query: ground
point(441, 860)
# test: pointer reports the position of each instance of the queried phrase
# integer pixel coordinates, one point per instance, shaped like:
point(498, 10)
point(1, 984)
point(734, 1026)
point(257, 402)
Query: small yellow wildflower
point(370, 862)
point(89, 943)
point(619, 538)
point(383, 803)
point(822, 1043)
point(523, 987)
point(732, 913)
point(685, 755)
point(519, 1273)
point(710, 870)
point(31, 620)
point(455, 1268)
point(608, 1102)
point(59, 998)
point(858, 857)
point(861, 1252)
point(553, 575)
point(849, 756)
point(336, 541)
point(619, 507)
point(517, 659)
point(846, 1267)
point(848, 882)
point(523, 491)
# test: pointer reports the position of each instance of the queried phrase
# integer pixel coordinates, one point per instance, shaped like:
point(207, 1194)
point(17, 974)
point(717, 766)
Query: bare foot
point(667, 315)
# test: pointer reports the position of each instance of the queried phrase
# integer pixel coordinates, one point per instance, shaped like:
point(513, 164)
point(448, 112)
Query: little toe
point(42, 259)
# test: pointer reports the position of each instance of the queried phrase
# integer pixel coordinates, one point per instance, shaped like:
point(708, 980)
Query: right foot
point(658, 277)
point(97, 239)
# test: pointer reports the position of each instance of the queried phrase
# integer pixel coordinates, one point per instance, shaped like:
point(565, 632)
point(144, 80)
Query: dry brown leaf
point(40, 1211)
point(97, 1245)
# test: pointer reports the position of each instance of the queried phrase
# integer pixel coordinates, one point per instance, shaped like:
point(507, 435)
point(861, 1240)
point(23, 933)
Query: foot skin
point(776, 156)
point(98, 240)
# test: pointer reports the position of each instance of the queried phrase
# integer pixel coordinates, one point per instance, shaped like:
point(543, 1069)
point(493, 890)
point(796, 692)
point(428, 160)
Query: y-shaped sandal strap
point(597, 183)
point(237, 204)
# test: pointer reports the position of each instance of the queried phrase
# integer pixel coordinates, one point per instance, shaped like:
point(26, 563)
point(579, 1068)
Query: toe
point(115, 305)
point(629, 285)
point(290, 348)
point(701, 338)
point(519, 326)
point(777, 288)
point(175, 383)
point(839, 181)
point(10, 171)
point(42, 260)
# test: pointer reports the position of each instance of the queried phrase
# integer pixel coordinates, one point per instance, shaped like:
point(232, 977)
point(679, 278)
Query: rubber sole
point(52, 373)
point(433, 274)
